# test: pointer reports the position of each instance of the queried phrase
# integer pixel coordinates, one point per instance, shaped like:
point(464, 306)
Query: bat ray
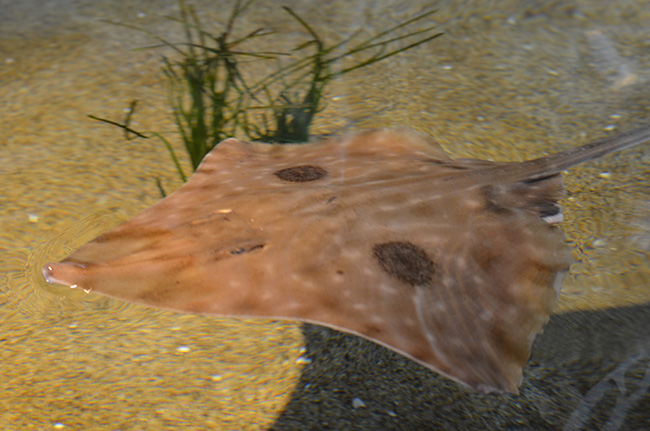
point(455, 264)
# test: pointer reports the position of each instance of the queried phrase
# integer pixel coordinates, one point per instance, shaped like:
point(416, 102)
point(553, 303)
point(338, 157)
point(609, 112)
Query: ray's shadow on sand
point(588, 370)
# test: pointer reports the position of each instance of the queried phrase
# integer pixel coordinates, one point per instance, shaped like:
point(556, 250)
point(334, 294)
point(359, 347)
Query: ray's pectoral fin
point(537, 197)
point(491, 292)
point(455, 264)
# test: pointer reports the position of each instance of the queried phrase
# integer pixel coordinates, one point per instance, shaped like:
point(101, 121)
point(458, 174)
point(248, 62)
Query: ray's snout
point(61, 273)
point(49, 274)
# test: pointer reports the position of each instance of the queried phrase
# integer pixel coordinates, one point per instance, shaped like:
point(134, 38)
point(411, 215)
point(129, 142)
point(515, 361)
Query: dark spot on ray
point(406, 261)
point(536, 180)
point(445, 163)
point(548, 209)
point(242, 250)
point(301, 174)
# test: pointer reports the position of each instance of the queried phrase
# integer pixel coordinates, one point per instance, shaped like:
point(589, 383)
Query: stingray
point(454, 263)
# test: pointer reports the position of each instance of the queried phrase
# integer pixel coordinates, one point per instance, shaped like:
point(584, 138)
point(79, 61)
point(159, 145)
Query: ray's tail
point(553, 164)
point(563, 160)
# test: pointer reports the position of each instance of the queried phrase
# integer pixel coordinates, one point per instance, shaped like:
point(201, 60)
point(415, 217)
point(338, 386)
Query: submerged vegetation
point(214, 96)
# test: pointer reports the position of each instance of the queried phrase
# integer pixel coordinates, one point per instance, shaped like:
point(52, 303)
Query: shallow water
point(508, 81)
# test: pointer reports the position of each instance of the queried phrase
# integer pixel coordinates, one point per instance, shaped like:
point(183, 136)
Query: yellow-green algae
point(508, 83)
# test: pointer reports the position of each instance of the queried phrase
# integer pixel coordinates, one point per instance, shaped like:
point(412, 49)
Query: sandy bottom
point(506, 84)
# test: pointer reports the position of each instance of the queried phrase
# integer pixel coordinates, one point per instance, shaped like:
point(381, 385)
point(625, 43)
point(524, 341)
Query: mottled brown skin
point(449, 262)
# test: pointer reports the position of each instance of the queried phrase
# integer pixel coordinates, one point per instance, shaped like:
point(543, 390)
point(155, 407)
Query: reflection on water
point(615, 383)
point(30, 294)
point(508, 81)
point(607, 61)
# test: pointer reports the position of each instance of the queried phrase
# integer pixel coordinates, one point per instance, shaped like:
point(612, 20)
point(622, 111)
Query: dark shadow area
point(588, 370)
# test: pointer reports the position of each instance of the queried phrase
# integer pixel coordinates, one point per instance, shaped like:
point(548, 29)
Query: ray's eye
point(301, 173)
point(405, 261)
